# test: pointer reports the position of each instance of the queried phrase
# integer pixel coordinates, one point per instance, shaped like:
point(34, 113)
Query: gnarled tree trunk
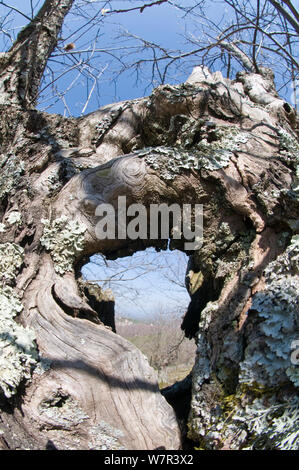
point(66, 379)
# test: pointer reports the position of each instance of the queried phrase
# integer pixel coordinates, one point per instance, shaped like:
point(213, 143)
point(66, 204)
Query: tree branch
point(239, 54)
point(293, 21)
point(15, 9)
point(263, 31)
point(254, 52)
point(26, 60)
point(140, 8)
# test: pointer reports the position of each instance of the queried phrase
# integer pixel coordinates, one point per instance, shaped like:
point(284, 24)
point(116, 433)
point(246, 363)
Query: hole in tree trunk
point(140, 292)
point(151, 299)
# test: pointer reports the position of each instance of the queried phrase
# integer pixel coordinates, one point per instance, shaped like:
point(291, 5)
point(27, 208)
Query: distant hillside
point(163, 342)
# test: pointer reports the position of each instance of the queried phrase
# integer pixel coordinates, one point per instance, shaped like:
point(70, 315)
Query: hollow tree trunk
point(66, 379)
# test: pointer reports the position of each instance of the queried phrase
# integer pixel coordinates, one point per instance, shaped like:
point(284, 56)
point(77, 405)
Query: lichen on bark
point(10, 174)
point(11, 259)
point(18, 351)
point(267, 356)
point(64, 239)
point(263, 410)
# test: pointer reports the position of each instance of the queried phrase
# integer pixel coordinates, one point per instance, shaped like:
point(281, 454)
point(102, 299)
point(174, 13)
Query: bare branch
point(141, 8)
point(254, 52)
point(239, 54)
point(31, 51)
point(11, 7)
point(263, 31)
point(293, 21)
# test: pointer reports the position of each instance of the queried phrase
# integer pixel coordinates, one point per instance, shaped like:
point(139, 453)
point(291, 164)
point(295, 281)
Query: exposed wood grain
point(97, 390)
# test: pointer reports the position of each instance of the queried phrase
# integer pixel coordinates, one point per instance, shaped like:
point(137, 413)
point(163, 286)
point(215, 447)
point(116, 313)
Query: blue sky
point(146, 284)
point(162, 24)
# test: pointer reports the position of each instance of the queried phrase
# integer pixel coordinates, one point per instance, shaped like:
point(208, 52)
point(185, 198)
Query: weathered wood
point(202, 142)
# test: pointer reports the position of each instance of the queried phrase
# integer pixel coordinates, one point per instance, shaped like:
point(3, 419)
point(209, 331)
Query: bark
point(22, 67)
point(67, 381)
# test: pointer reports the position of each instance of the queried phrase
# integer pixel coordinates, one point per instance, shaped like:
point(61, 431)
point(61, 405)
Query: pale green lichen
point(202, 363)
point(18, 353)
point(62, 173)
point(2, 228)
point(233, 251)
point(289, 152)
point(106, 437)
point(227, 140)
point(106, 123)
point(43, 365)
point(267, 357)
point(170, 161)
point(289, 146)
point(14, 217)
point(260, 410)
point(54, 183)
point(270, 425)
point(295, 184)
point(62, 410)
point(11, 170)
point(224, 235)
point(11, 259)
point(243, 420)
point(64, 239)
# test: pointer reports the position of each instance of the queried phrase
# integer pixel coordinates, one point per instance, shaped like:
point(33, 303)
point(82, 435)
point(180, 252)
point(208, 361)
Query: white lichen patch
point(217, 153)
point(11, 259)
point(2, 228)
point(289, 146)
point(289, 152)
point(202, 363)
point(105, 124)
point(43, 365)
point(295, 184)
point(64, 239)
point(11, 171)
point(262, 410)
point(14, 217)
point(53, 181)
point(224, 236)
point(18, 354)
point(105, 437)
point(62, 410)
point(173, 95)
point(170, 161)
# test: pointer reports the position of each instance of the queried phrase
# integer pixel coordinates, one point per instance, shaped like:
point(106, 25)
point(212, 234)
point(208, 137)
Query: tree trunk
point(67, 381)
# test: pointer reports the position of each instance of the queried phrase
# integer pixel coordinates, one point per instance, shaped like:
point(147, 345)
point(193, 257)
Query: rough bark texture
point(22, 67)
point(67, 381)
